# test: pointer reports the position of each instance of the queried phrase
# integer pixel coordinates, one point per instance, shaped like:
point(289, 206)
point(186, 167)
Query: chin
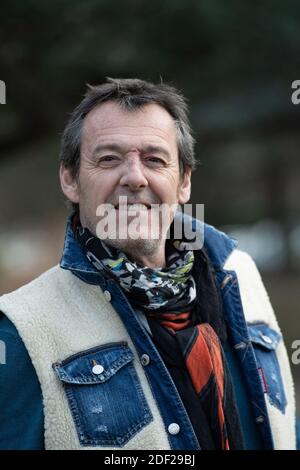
point(141, 246)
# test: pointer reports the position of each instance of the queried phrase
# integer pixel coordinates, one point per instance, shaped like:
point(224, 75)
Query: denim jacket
point(256, 359)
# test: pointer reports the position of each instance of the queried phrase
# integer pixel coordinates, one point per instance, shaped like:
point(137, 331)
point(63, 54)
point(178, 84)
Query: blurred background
point(234, 60)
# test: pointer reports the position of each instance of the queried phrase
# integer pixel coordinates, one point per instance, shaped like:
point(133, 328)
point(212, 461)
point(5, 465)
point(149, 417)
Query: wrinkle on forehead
point(109, 120)
point(110, 116)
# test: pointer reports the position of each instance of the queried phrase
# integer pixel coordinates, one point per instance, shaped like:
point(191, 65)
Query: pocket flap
point(95, 365)
point(264, 336)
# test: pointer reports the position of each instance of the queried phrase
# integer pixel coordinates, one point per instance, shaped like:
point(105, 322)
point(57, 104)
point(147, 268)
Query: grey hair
point(130, 94)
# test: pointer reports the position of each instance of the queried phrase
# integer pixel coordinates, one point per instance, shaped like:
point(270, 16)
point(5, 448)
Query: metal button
point(97, 369)
point(173, 429)
point(145, 359)
point(107, 295)
point(267, 339)
point(260, 419)
point(226, 280)
point(240, 345)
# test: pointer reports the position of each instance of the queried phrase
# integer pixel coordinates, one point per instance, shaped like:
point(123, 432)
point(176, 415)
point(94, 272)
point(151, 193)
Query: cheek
point(165, 186)
point(96, 187)
point(166, 194)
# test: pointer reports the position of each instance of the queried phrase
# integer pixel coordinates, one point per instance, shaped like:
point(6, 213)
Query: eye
point(108, 159)
point(155, 160)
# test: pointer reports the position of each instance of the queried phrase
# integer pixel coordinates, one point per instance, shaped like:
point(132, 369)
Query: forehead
point(110, 121)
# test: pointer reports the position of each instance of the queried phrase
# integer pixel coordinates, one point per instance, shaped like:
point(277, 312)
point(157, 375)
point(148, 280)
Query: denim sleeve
point(21, 409)
point(298, 432)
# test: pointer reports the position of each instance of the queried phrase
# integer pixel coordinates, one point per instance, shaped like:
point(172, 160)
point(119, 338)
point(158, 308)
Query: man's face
point(126, 153)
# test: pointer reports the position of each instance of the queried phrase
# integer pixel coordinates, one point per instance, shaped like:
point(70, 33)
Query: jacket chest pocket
point(104, 395)
point(265, 341)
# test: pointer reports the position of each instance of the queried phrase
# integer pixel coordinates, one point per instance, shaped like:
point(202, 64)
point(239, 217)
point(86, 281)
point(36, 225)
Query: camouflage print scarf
point(153, 289)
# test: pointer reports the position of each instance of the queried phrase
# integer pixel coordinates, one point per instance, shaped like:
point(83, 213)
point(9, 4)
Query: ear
point(184, 190)
point(69, 184)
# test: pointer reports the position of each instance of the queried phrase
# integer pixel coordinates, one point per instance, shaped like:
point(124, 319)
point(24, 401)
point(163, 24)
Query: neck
point(147, 255)
point(157, 259)
point(154, 262)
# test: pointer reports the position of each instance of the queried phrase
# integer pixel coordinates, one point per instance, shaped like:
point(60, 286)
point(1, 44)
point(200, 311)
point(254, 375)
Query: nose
point(133, 175)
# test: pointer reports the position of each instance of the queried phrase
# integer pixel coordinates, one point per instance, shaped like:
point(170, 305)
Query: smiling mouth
point(133, 207)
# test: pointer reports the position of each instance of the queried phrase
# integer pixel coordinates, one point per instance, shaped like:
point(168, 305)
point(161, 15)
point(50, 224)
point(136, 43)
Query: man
point(141, 341)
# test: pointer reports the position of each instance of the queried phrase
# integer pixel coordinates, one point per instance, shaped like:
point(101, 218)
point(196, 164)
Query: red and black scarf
point(190, 343)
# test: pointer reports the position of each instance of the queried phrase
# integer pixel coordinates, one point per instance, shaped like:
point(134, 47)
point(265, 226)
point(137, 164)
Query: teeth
point(137, 207)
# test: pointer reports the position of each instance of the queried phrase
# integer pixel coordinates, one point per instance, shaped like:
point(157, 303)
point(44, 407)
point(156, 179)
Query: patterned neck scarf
point(151, 289)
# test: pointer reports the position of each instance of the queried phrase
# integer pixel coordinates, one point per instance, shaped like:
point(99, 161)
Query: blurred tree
point(209, 48)
point(234, 60)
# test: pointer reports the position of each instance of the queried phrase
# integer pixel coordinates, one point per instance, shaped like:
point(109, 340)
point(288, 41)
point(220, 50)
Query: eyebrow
point(118, 148)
